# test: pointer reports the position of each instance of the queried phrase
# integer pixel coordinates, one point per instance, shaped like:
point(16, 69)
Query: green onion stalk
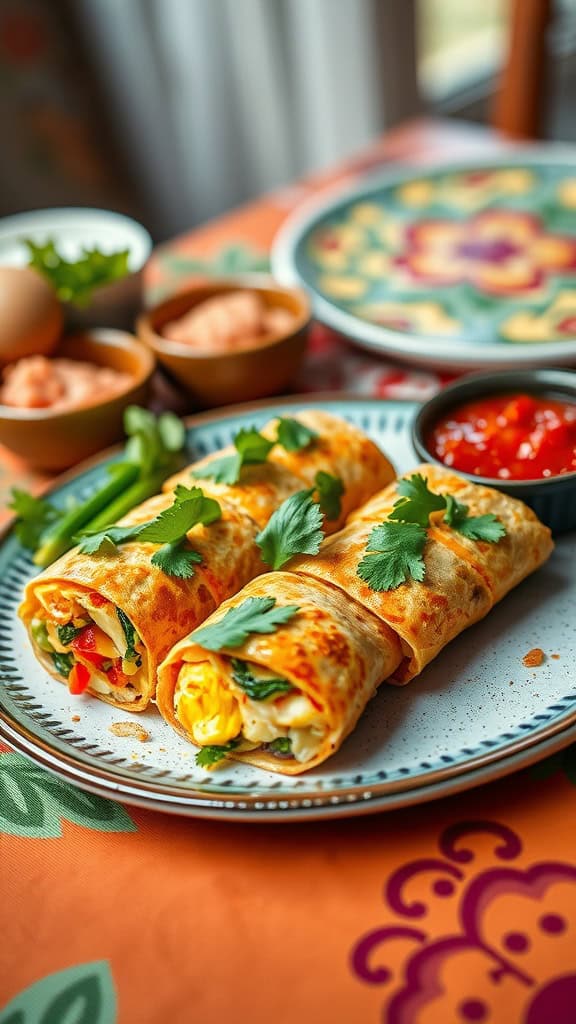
point(60, 538)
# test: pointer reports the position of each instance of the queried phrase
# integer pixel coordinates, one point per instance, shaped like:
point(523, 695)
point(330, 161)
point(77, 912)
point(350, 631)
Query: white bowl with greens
point(93, 258)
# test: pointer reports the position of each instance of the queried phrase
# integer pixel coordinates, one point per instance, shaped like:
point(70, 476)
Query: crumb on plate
point(533, 658)
point(75, 718)
point(131, 729)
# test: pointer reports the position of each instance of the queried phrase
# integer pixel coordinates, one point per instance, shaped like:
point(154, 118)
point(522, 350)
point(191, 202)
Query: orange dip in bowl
point(37, 382)
point(228, 322)
point(508, 437)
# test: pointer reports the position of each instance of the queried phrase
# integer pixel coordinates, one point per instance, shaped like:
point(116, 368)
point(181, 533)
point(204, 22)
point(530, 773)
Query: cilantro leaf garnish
point(393, 555)
point(189, 508)
point(257, 688)
point(295, 528)
point(487, 527)
point(132, 638)
point(329, 490)
point(417, 501)
point(400, 541)
point(294, 435)
point(63, 663)
point(253, 615)
point(223, 470)
point(177, 560)
point(68, 633)
point(106, 542)
point(251, 447)
point(34, 516)
point(208, 757)
point(75, 280)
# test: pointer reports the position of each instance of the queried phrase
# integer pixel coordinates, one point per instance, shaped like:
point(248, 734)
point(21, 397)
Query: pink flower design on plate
point(498, 251)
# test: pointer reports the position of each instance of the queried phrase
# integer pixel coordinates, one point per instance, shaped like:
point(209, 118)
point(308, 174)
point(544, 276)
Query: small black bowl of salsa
point(511, 430)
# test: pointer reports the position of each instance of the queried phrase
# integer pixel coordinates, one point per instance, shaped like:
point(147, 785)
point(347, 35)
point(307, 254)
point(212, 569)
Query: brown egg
point(30, 314)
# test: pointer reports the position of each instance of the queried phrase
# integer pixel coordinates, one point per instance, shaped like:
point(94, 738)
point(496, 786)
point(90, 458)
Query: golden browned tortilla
point(87, 591)
point(346, 638)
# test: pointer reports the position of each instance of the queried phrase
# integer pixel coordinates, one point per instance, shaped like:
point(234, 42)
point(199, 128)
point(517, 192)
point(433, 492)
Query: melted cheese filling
point(61, 605)
point(214, 710)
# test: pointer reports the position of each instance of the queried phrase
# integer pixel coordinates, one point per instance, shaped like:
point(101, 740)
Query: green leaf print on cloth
point(563, 761)
point(232, 259)
point(33, 803)
point(78, 995)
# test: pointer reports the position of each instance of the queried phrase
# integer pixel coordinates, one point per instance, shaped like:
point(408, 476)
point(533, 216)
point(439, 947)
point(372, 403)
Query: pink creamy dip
point(40, 383)
point(224, 323)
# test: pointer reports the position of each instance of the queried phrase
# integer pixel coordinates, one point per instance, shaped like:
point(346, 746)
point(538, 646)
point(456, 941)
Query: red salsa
point(508, 437)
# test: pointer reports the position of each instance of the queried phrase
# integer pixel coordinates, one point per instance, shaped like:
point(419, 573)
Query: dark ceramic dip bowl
point(553, 499)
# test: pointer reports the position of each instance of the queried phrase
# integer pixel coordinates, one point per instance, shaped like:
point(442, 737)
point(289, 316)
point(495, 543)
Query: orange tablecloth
point(463, 910)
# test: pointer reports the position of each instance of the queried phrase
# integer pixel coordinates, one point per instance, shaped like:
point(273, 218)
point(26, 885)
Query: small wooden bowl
point(59, 438)
point(228, 377)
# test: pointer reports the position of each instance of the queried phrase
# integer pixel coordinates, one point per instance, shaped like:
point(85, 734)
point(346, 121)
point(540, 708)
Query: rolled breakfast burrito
point(104, 622)
point(314, 442)
point(426, 558)
point(284, 700)
point(463, 578)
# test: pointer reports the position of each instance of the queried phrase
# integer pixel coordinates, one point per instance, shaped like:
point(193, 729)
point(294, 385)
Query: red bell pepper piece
point(79, 678)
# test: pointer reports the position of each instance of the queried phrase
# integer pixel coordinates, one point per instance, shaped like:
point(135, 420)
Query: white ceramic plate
point(476, 713)
point(72, 228)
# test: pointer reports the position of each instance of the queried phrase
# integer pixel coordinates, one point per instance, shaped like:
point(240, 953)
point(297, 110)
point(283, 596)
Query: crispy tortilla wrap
point(323, 651)
point(464, 578)
point(83, 593)
point(331, 656)
point(339, 449)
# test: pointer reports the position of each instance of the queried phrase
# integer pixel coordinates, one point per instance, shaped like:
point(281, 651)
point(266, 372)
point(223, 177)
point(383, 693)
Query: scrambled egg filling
point(111, 672)
point(213, 710)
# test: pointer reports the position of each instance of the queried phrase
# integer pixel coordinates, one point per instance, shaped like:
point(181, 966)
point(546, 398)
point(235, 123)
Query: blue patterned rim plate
point(467, 265)
point(475, 714)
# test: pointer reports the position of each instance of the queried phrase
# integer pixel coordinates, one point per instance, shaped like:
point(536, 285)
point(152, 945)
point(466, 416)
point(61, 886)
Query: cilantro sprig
point(487, 527)
point(417, 501)
point(394, 553)
point(210, 756)
point(395, 548)
point(295, 528)
point(253, 615)
point(252, 448)
point(294, 435)
point(257, 688)
point(175, 557)
point(329, 490)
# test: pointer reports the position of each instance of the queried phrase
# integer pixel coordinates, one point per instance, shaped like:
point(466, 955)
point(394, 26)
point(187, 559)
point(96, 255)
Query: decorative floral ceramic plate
point(468, 266)
point(476, 713)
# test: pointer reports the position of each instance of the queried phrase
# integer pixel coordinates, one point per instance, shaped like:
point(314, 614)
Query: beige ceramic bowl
point(222, 378)
point(57, 439)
